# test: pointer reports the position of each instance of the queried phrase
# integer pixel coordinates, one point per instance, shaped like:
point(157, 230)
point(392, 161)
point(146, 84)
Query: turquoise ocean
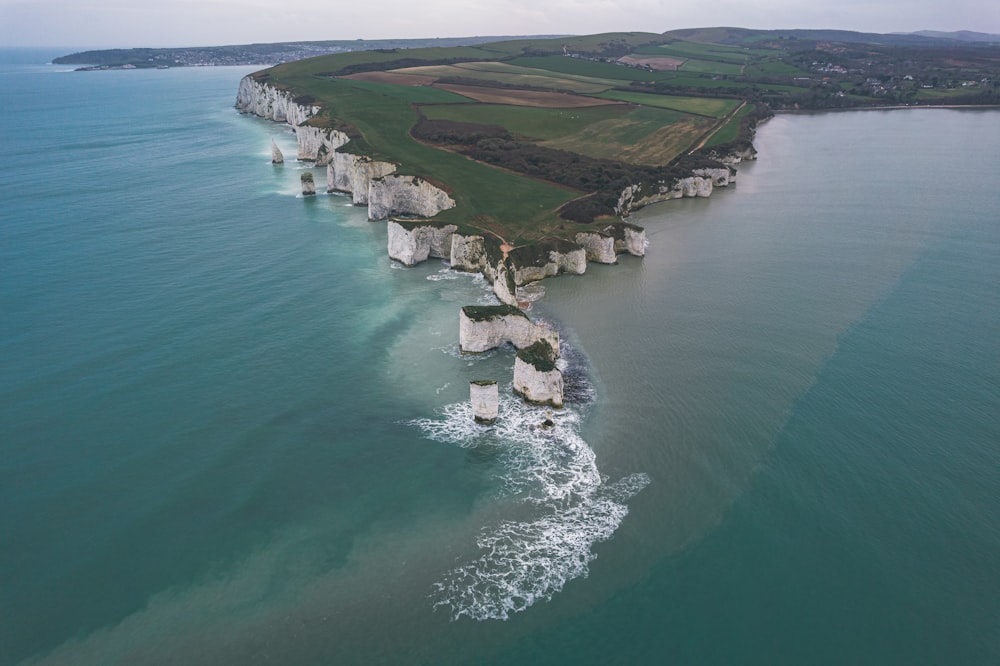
point(232, 431)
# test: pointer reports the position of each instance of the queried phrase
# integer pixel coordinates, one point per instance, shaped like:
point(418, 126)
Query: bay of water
point(233, 432)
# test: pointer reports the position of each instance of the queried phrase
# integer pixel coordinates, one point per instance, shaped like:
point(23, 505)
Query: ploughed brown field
point(658, 64)
point(539, 98)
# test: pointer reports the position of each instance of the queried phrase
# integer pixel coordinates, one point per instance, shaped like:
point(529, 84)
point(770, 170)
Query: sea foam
point(547, 466)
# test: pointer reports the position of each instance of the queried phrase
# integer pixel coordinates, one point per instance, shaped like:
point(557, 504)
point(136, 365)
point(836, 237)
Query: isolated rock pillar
point(485, 397)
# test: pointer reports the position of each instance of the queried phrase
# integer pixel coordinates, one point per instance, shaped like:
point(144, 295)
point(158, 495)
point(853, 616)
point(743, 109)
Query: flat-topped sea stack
point(485, 327)
point(485, 398)
point(308, 183)
point(536, 377)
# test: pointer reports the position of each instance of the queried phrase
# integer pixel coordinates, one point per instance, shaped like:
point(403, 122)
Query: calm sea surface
point(233, 432)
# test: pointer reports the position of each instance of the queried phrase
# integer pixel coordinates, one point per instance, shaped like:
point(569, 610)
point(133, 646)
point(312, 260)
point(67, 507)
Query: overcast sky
point(128, 23)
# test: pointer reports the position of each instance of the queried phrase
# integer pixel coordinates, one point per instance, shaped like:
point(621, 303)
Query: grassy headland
point(515, 130)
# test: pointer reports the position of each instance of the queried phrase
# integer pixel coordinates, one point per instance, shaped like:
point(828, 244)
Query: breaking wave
point(548, 467)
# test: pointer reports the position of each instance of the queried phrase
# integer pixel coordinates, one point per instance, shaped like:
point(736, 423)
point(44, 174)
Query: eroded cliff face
point(536, 377)
point(481, 328)
point(261, 99)
point(637, 196)
point(317, 144)
point(734, 157)
point(405, 195)
point(468, 254)
point(354, 174)
point(599, 246)
point(547, 259)
point(410, 244)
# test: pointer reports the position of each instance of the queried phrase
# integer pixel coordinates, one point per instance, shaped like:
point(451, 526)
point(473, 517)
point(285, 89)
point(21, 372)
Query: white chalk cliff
point(354, 174)
point(410, 244)
point(536, 377)
point(599, 246)
point(318, 144)
point(367, 180)
point(266, 101)
point(481, 328)
point(405, 195)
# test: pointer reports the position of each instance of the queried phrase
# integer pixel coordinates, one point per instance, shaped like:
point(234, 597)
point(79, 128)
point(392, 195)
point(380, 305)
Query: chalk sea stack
point(485, 397)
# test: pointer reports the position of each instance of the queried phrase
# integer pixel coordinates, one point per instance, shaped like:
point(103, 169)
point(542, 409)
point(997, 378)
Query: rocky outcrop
point(547, 258)
point(318, 144)
point(485, 399)
point(405, 195)
point(485, 327)
point(276, 156)
point(469, 254)
point(410, 243)
point(354, 174)
point(629, 238)
point(504, 286)
point(261, 99)
point(599, 246)
point(636, 196)
point(308, 183)
point(536, 377)
point(734, 156)
point(720, 176)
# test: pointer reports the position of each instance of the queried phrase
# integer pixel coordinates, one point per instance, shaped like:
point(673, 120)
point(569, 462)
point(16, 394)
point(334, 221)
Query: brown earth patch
point(514, 97)
point(657, 64)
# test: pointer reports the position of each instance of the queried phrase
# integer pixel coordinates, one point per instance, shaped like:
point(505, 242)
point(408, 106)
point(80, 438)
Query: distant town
point(248, 54)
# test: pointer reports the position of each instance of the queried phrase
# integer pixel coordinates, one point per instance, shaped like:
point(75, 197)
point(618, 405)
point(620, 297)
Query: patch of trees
point(604, 179)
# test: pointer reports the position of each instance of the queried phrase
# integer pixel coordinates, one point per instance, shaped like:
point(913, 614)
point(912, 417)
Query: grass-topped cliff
point(538, 137)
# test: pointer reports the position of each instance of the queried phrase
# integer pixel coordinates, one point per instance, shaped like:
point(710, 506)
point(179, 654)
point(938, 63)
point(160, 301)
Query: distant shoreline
point(803, 112)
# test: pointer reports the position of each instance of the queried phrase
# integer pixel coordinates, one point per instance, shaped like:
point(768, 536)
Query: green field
point(533, 123)
point(726, 74)
point(730, 131)
point(693, 66)
point(512, 205)
point(647, 135)
point(713, 107)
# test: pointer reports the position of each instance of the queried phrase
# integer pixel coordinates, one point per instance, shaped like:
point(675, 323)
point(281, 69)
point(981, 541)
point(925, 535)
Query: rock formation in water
point(699, 184)
point(546, 258)
point(276, 156)
point(369, 181)
point(536, 377)
point(412, 242)
point(604, 246)
point(484, 395)
point(485, 327)
point(354, 174)
point(308, 183)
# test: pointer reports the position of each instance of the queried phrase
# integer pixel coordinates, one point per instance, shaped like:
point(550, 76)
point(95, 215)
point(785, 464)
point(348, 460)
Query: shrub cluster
point(603, 179)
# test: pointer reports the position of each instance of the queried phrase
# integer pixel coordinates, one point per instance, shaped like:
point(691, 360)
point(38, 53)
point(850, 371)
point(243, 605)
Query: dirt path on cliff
point(718, 126)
